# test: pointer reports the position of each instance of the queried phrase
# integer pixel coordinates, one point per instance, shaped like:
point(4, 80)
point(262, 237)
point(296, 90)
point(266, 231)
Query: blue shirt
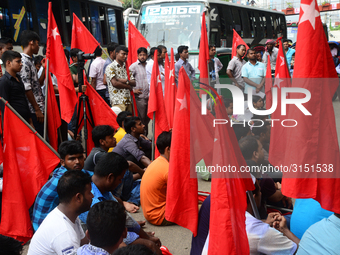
point(321, 238)
point(132, 226)
point(187, 67)
point(89, 249)
point(254, 73)
point(289, 55)
point(47, 198)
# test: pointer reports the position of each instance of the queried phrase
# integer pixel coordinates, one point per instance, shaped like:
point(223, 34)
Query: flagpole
point(29, 126)
point(253, 204)
point(154, 138)
point(105, 52)
point(46, 98)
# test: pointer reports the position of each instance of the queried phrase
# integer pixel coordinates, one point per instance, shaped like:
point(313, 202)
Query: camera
point(81, 63)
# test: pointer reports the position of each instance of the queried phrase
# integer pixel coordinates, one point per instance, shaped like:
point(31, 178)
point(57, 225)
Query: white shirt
point(264, 239)
point(148, 69)
point(57, 235)
point(96, 71)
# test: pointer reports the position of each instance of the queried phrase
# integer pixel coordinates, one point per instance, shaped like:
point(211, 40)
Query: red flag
point(59, 67)
point(313, 143)
point(228, 193)
point(53, 115)
point(27, 165)
point(237, 40)
point(203, 55)
point(166, 73)
point(182, 192)
point(102, 114)
point(135, 41)
point(156, 103)
point(170, 90)
point(82, 38)
point(268, 85)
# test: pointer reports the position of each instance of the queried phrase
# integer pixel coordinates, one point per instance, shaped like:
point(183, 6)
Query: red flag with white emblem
point(182, 191)
point(135, 41)
point(28, 163)
point(82, 38)
point(312, 146)
point(156, 103)
point(59, 67)
point(237, 40)
point(170, 91)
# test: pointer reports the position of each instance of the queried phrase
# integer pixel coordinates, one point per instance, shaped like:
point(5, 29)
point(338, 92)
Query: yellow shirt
point(119, 136)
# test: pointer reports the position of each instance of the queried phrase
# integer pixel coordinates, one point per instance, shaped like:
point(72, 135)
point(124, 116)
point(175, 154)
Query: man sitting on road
point(154, 183)
point(72, 158)
point(108, 173)
point(61, 232)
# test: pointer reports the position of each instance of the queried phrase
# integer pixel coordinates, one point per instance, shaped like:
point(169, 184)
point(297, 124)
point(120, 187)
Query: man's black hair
point(256, 98)
point(111, 163)
point(212, 46)
point(10, 246)
point(241, 131)
point(163, 141)
point(240, 45)
point(227, 102)
point(74, 52)
point(111, 47)
point(100, 132)
point(121, 117)
point(4, 41)
point(27, 36)
point(129, 123)
point(71, 183)
point(161, 47)
point(9, 55)
point(152, 51)
point(122, 48)
point(70, 148)
point(181, 48)
point(98, 51)
point(260, 128)
point(136, 249)
point(250, 49)
point(248, 145)
point(285, 40)
point(38, 59)
point(67, 54)
point(142, 49)
point(106, 223)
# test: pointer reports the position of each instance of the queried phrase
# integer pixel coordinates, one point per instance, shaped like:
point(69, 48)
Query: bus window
point(251, 24)
point(103, 25)
point(84, 13)
point(269, 25)
point(245, 23)
point(95, 23)
point(258, 25)
point(228, 25)
point(5, 28)
point(18, 18)
point(237, 21)
point(113, 25)
point(41, 7)
point(264, 25)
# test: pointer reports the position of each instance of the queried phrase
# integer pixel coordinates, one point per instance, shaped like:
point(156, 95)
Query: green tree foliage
point(136, 4)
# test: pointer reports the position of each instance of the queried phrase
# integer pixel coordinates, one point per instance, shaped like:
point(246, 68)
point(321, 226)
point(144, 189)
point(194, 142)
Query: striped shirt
point(139, 72)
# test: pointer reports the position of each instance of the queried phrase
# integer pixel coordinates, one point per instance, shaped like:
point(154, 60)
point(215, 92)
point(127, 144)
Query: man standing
point(183, 61)
point(61, 232)
point(142, 87)
point(36, 101)
point(253, 73)
point(234, 69)
point(289, 51)
point(215, 64)
point(5, 44)
point(118, 82)
point(11, 87)
point(72, 158)
point(272, 51)
point(96, 74)
point(111, 49)
point(149, 66)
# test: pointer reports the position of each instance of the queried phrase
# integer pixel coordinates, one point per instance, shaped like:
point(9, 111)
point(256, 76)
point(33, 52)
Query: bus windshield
point(172, 24)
